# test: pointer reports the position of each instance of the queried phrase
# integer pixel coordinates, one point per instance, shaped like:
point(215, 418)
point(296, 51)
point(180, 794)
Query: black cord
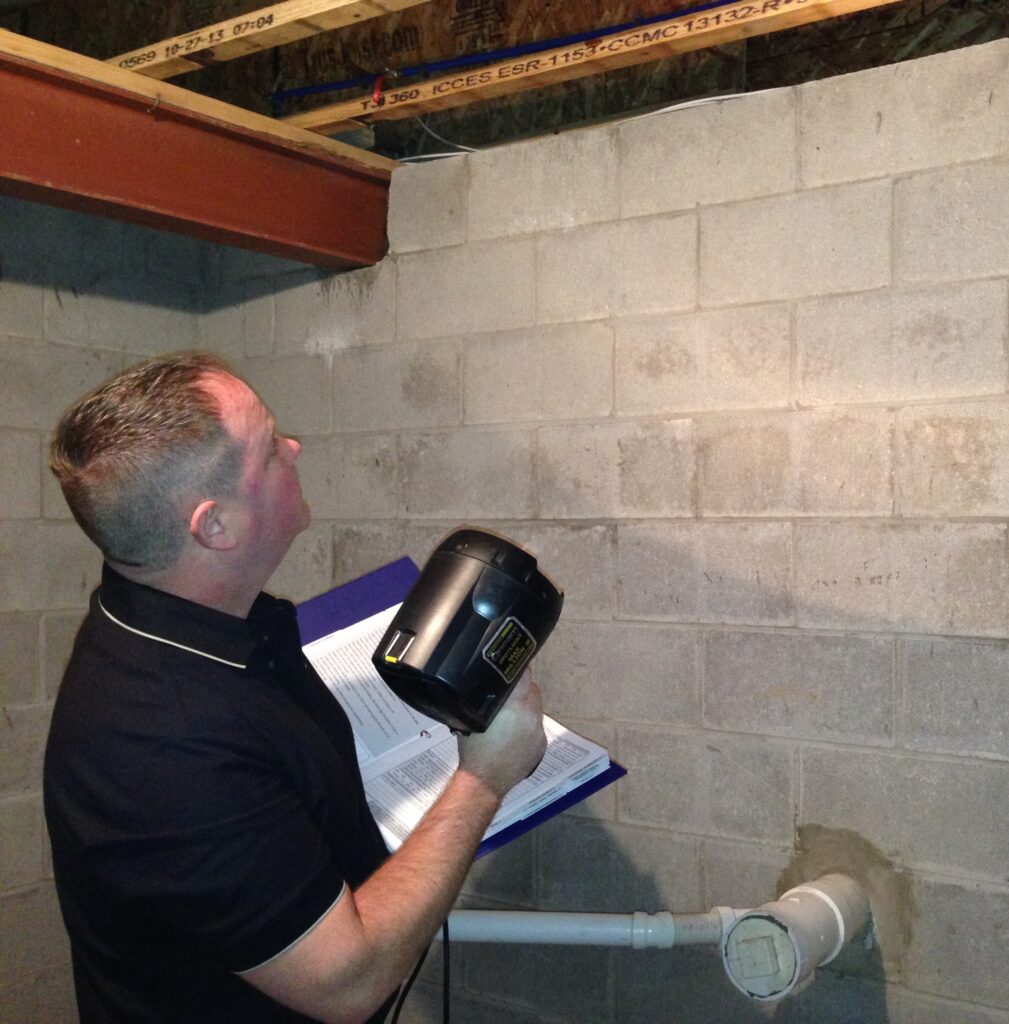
point(405, 990)
point(444, 973)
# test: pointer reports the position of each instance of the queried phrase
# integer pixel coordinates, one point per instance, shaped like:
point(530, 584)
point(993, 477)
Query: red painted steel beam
point(102, 147)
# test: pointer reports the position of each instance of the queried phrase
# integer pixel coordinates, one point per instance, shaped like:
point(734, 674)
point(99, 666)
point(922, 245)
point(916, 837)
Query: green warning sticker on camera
point(509, 649)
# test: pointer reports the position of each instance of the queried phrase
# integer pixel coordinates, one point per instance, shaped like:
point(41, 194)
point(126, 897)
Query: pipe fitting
point(771, 950)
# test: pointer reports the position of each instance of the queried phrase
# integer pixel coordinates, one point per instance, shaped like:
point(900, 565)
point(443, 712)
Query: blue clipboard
point(373, 593)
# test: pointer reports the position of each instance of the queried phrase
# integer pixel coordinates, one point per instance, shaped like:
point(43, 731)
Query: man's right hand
point(513, 745)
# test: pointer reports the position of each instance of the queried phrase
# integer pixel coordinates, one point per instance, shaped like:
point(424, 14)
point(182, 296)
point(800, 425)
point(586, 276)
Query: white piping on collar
point(171, 643)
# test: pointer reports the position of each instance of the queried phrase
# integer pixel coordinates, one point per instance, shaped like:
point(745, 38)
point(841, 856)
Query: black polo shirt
point(204, 805)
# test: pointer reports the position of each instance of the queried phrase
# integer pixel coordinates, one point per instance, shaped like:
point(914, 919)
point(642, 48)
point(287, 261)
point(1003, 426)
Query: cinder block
point(734, 148)
point(648, 265)
point(21, 473)
point(601, 805)
point(705, 572)
point(397, 387)
point(723, 359)
point(956, 961)
point(540, 978)
point(21, 842)
point(581, 561)
point(365, 478)
point(563, 180)
point(837, 688)
point(467, 474)
point(936, 812)
point(845, 462)
point(914, 1008)
point(54, 505)
point(954, 697)
point(307, 569)
point(954, 460)
point(708, 784)
point(541, 373)
point(905, 117)
point(32, 938)
point(22, 745)
point(20, 309)
point(617, 469)
point(39, 381)
point(877, 346)
point(237, 265)
point(946, 227)
point(315, 473)
point(316, 314)
point(583, 672)
point(59, 630)
point(798, 463)
point(19, 667)
point(362, 547)
point(65, 242)
point(178, 257)
point(508, 876)
point(749, 465)
point(220, 327)
point(47, 565)
point(914, 577)
point(295, 388)
point(54, 994)
point(135, 315)
point(482, 286)
point(427, 204)
point(608, 868)
point(741, 874)
point(810, 243)
point(691, 983)
point(257, 322)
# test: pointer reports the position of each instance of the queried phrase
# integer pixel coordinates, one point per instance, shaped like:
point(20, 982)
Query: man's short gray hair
point(130, 452)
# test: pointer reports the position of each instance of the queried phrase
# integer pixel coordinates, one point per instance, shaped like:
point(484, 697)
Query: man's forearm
point(402, 905)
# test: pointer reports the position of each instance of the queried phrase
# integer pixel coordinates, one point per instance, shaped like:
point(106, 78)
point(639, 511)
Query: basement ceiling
point(429, 34)
point(235, 146)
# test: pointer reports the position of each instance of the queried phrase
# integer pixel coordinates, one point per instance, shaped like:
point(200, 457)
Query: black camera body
point(476, 615)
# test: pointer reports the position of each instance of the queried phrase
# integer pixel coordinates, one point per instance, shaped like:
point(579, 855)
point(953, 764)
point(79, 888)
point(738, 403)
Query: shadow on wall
point(81, 255)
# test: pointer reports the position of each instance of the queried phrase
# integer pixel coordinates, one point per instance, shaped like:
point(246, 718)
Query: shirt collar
point(168, 619)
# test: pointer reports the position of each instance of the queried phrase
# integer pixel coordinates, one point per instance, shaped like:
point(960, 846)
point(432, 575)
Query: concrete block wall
point(79, 298)
point(738, 374)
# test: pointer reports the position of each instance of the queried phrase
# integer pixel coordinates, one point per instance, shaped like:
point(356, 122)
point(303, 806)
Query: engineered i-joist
point(248, 33)
point(711, 27)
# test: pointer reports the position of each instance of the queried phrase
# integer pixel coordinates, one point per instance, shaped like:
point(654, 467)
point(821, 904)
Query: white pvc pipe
point(638, 930)
point(771, 950)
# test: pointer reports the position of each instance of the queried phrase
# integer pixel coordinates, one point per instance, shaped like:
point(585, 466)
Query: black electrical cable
point(444, 973)
point(405, 990)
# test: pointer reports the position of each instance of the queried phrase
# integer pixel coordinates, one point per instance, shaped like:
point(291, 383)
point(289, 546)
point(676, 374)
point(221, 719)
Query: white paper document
point(407, 758)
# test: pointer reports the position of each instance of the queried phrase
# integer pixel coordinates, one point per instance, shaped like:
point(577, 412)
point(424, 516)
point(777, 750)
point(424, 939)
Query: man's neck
point(234, 597)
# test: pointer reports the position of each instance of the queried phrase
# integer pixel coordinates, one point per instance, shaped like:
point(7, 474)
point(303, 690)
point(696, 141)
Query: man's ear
point(209, 529)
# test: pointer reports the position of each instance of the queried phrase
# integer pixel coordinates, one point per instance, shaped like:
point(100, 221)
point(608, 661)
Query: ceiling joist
point(712, 27)
point(79, 133)
point(248, 33)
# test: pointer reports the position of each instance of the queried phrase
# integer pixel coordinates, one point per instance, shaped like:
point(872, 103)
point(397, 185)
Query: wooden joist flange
point(248, 33)
point(713, 27)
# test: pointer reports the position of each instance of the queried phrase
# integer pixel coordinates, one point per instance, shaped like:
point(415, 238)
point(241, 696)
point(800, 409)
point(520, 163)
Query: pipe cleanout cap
point(771, 950)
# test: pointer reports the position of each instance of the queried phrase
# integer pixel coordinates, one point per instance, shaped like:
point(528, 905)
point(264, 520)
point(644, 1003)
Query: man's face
point(269, 494)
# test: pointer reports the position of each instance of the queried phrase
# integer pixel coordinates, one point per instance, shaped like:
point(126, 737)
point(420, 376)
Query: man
point(213, 851)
